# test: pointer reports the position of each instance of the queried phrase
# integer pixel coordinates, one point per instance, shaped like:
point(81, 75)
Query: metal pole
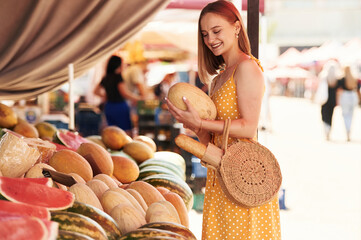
point(253, 25)
point(71, 124)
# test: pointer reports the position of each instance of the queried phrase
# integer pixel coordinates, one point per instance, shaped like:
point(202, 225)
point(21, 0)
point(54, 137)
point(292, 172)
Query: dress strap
point(257, 61)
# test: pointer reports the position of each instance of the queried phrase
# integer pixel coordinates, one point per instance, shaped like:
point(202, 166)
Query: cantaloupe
point(131, 199)
point(111, 199)
point(125, 169)
point(98, 158)
point(108, 180)
point(84, 194)
point(127, 217)
point(114, 137)
point(202, 103)
point(147, 140)
point(149, 193)
point(138, 150)
point(26, 129)
point(68, 161)
point(180, 206)
point(98, 187)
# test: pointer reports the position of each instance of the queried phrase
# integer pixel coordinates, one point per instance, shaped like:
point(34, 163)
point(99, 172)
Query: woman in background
point(115, 92)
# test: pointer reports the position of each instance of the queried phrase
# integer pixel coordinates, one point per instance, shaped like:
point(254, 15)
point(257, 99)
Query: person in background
point(134, 78)
point(162, 88)
point(330, 73)
point(237, 93)
point(349, 98)
point(114, 91)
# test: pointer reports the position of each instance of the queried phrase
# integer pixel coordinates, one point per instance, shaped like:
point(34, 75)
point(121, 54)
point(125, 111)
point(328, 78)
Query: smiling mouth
point(215, 46)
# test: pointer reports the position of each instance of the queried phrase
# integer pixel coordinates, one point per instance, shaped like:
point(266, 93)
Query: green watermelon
point(75, 222)
point(107, 222)
point(69, 139)
point(172, 157)
point(173, 227)
point(24, 209)
point(69, 235)
point(149, 233)
point(23, 191)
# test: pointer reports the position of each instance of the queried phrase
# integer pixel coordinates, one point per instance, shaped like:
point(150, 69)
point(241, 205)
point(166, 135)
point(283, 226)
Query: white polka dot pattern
point(223, 219)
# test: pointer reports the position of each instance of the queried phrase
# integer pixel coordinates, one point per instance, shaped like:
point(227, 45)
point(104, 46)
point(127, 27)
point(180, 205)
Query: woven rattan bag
point(248, 172)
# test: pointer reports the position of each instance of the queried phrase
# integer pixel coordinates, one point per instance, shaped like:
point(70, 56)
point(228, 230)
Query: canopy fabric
point(39, 38)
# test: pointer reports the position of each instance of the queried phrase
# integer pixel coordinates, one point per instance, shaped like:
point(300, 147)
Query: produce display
point(124, 188)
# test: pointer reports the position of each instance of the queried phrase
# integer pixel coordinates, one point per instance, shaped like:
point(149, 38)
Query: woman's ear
point(237, 26)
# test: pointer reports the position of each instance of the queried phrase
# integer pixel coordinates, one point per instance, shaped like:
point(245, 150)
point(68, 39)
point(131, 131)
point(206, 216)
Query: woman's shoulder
point(248, 68)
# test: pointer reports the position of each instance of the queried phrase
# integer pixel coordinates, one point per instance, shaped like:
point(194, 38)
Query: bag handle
point(227, 125)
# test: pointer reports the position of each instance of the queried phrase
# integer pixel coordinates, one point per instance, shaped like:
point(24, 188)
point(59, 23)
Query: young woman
point(115, 92)
point(237, 93)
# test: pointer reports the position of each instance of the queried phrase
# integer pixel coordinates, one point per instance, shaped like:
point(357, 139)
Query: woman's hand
point(190, 117)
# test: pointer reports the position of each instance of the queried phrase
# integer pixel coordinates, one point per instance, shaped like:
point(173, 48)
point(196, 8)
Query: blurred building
point(311, 22)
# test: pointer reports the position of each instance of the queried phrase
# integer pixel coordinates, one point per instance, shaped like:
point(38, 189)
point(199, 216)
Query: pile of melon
point(122, 187)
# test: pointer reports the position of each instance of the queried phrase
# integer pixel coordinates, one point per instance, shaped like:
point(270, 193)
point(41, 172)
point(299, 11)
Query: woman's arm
point(124, 91)
point(99, 91)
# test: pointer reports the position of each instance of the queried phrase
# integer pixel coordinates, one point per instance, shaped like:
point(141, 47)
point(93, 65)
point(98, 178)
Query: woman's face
point(218, 34)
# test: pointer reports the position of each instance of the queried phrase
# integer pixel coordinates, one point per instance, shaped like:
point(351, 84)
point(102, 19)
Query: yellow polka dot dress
point(222, 219)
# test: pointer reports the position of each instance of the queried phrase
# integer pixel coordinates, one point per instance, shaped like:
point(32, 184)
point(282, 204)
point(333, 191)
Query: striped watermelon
point(24, 191)
point(151, 233)
point(75, 222)
point(107, 222)
point(69, 235)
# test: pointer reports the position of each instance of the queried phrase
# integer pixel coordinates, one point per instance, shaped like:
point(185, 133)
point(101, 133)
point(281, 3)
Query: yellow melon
point(202, 103)
point(114, 137)
point(138, 150)
point(84, 194)
point(147, 140)
point(8, 118)
point(99, 159)
point(26, 129)
point(127, 217)
point(125, 169)
point(68, 161)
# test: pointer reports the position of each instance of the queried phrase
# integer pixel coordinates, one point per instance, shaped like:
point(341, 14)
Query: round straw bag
point(248, 172)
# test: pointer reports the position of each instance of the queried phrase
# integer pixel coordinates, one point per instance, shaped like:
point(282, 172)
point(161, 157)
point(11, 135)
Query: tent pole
point(71, 125)
point(253, 25)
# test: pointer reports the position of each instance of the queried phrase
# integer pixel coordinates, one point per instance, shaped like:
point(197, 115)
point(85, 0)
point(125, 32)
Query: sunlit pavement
point(322, 179)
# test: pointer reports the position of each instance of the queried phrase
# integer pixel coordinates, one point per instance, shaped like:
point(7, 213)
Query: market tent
point(39, 38)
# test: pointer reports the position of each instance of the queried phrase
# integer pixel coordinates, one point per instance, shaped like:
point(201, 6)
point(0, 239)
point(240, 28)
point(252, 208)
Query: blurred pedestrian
point(115, 94)
point(349, 98)
point(330, 74)
point(162, 88)
point(237, 93)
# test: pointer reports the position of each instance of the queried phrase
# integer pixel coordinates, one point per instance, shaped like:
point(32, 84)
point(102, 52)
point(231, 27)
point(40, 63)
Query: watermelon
point(69, 139)
point(107, 222)
point(173, 184)
point(23, 209)
point(69, 235)
point(172, 157)
point(149, 233)
point(44, 181)
point(23, 191)
point(53, 229)
point(19, 228)
point(173, 227)
point(75, 222)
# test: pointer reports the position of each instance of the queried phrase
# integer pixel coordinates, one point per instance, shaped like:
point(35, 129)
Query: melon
point(22, 228)
point(106, 221)
point(16, 157)
point(162, 211)
point(69, 139)
point(173, 227)
point(46, 130)
point(180, 206)
point(149, 193)
point(36, 171)
point(111, 199)
point(70, 235)
point(77, 178)
point(8, 118)
point(24, 209)
point(26, 129)
point(67, 161)
point(138, 150)
point(147, 140)
point(138, 197)
point(75, 222)
point(24, 191)
point(45, 148)
point(85, 194)
point(127, 217)
point(125, 169)
point(114, 137)
point(96, 139)
point(131, 199)
point(108, 180)
point(152, 233)
point(172, 157)
point(99, 159)
point(202, 103)
point(98, 187)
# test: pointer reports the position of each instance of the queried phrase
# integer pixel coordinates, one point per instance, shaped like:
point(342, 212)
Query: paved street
point(322, 179)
